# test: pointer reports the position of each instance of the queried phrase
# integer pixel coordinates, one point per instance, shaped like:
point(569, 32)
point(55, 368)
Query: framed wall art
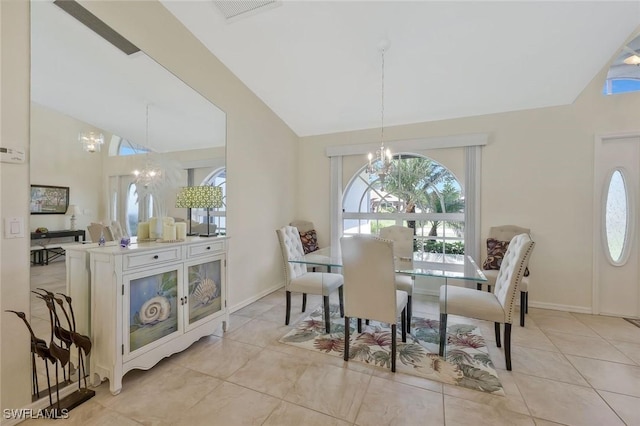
point(46, 199)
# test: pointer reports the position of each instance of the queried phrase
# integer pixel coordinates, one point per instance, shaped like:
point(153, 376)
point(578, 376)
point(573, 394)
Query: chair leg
point(497, 327)
point(346, 338)
point(359, 325)
point(443, 333)
point(327, 318)
point(507, 345)
point(403, 324)
point(523, 304)
point(286, 320)
point(409, 315)
point(304, 302)
point(341, 297)
point(526, 305)
point(393, 348)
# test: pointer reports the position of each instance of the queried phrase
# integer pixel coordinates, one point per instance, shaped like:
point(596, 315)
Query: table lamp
point(204, 197)
point(73, 210)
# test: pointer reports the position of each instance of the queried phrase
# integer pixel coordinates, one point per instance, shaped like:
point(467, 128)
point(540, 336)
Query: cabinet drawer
point(152, 257)
point(204, 249)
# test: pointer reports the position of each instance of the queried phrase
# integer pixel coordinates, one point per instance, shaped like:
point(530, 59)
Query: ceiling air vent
point(234, 10)
point(74, 9)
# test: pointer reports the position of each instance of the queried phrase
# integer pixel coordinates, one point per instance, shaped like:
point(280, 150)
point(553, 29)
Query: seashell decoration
point(205, 291)
point(155, 310)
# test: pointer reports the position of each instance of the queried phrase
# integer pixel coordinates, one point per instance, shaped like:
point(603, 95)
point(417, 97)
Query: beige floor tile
point(219, 360)
point(631, 350)
point(530, 337)
point(611, 327)
point(387, 402)
point(589, 347)
point(564, 325)
point(627, 407)
point(540, 422)
point(288, 414)
point(565, 403)
point(258, 332)
point(89, 413)
point(235, 322)
point(609, 376)
point(335, 391)
point(465, 412)
point(407, 379)
point(230, 404)
point(270, 372)
point(255, 309)
point(550, 365)
point(163, 398)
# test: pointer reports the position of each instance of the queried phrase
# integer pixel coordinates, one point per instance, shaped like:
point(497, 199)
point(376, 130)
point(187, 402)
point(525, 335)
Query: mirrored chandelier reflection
point(381, 164)
point(152, 171)
point(91, 141)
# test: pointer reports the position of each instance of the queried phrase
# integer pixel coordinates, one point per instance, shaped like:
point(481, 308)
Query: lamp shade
point(194, 197)
point(73, 210)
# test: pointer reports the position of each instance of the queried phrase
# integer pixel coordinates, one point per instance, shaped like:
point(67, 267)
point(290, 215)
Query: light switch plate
point(14, 227)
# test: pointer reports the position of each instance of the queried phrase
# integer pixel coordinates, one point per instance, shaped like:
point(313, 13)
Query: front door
point(616, 278)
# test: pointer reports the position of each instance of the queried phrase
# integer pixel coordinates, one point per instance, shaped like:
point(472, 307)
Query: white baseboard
point(258, 296)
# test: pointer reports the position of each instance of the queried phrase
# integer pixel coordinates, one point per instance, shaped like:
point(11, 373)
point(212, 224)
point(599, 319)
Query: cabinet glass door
point(205, 290)
point(153, 312)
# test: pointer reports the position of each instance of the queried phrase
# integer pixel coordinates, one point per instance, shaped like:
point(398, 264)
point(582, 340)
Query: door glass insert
point(204, 290)
point(152, 308)
point(617, 217)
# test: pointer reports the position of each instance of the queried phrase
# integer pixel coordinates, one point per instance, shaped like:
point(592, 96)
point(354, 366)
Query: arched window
point(217, 216)
point(421, 194)
point(624, 73)
point(121, 147)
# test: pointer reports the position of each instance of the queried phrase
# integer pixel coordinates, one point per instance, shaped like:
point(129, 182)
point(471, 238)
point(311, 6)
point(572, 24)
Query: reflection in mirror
point(81, 83)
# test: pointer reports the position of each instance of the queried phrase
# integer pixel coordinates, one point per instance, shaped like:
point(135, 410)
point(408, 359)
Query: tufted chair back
point(302, 225)
point(506, 232)
point(402, 238)
point(291, 247)
point(511, 271)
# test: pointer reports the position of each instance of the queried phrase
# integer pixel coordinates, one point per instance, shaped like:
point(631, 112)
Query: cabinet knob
point(208, 248)
point(156, 256)
point(182, 301)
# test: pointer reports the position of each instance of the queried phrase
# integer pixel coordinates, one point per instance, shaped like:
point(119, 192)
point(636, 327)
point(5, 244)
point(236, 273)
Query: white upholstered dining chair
point(503, 234)
point(497, 306)
point(402, 238)
point(370, 287)
point(298, 279)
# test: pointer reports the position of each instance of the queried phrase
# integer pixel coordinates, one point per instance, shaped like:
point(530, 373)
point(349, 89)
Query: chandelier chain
point(382, 103)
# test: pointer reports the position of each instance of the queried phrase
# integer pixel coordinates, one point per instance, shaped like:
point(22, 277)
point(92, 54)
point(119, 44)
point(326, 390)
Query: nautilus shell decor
point(154, 310)
point(205, 291)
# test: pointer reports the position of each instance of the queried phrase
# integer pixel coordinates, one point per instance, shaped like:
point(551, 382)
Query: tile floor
point(570, 369)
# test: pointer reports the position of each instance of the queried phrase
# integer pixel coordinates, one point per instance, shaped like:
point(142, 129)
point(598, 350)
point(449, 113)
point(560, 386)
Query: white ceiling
point(317, 64)
point(76, 72)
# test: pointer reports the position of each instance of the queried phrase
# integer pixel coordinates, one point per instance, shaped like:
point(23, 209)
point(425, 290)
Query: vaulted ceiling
point(317, 63)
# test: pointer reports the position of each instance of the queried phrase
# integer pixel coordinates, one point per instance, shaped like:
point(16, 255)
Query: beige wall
point(537, 172)
point(14, 196)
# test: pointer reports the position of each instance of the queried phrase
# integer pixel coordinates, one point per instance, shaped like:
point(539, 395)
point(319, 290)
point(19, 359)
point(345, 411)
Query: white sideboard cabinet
point(153, 300)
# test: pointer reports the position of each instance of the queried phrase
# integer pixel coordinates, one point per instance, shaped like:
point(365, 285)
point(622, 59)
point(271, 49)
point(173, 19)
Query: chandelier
point(151, 172)
point(91, 141)
point(381, 165)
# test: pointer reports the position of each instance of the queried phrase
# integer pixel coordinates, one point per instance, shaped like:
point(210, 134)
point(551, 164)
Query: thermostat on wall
point(11, 155)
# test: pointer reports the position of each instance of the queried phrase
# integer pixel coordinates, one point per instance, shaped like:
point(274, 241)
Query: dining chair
point(309, 240)
point(402, 238)
point(370, 287)
point(298, 279)
point(97, 229)
point(497, 306)
point(497, 241)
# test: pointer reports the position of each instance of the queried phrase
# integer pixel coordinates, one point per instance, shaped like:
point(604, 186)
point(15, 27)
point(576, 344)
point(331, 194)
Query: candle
point(169, 232)
point(155, 228)
point(168, 220)
point(181, 231)
point(143, 231)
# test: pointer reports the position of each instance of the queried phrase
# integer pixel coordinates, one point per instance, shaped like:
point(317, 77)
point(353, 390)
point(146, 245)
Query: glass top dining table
point(332, 258)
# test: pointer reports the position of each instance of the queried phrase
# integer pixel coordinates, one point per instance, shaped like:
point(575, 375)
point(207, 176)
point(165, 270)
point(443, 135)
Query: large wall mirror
point(82, 84)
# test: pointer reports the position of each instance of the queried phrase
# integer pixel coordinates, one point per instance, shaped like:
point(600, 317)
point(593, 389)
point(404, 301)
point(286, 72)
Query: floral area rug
point(467, 360)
